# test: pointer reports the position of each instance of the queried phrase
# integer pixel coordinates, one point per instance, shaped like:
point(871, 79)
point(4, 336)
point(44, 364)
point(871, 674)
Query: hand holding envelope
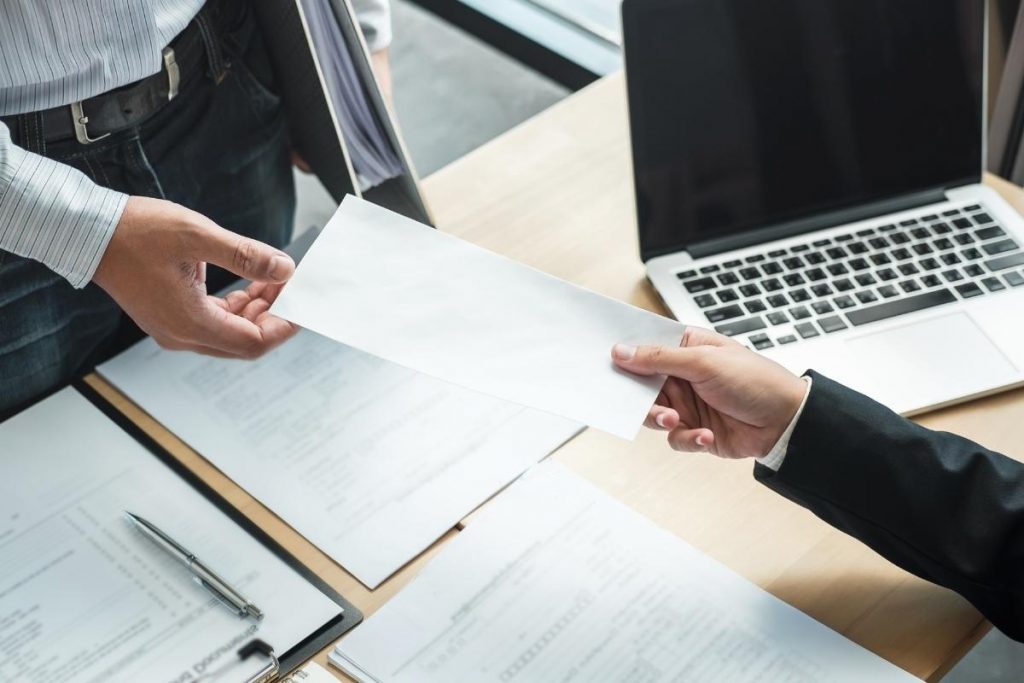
point(394, 288)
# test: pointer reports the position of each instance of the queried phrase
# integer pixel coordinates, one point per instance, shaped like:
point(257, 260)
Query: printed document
point(557, 582)
point(369, 461)
point(431, 302)
point(86, 598)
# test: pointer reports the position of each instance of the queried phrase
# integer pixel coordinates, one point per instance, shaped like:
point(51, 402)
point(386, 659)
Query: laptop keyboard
point(824, 286)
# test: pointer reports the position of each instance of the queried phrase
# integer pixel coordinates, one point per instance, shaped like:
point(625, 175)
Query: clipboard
point(277, 665)
point(313, 123)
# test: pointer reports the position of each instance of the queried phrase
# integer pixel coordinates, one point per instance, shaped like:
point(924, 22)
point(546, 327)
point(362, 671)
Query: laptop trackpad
point(926, 363)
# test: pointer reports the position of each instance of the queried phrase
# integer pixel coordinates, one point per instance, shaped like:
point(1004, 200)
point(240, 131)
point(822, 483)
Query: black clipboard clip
point(269, 672)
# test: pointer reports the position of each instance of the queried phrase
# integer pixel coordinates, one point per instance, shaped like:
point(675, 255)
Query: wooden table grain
point(556, 193)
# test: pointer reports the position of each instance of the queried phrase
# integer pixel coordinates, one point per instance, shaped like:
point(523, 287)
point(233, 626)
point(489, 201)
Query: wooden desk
point(556, 193)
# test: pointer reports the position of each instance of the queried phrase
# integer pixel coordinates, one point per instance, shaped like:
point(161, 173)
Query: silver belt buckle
point(80, 121)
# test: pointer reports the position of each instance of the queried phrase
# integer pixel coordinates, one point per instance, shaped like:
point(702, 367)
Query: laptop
point(808, 179)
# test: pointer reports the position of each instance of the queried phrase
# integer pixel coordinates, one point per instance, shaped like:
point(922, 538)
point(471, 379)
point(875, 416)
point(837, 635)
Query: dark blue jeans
point(221, 149)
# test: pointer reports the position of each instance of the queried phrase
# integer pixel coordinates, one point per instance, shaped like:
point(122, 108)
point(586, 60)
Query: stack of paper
point(557, 582)
point(373, 158)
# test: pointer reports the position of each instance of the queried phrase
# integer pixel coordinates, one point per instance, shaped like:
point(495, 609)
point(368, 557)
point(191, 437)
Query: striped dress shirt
point(55, 52)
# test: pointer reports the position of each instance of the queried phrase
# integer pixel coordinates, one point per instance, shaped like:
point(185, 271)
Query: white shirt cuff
point(773, 459)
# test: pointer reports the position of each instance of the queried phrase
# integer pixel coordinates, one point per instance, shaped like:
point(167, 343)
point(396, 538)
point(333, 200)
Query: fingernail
point(624, 352)
point(280, 267)
point(702, 441)
point(660, 420)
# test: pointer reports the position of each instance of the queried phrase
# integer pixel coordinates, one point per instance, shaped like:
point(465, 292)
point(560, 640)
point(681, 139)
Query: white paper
point(369, 461)
point(415, 296)
point(311, 673)
point(85, 597)
point(557, 582)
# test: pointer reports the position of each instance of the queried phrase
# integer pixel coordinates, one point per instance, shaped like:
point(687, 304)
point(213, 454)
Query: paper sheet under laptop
point(555, 581)
point(428, 301)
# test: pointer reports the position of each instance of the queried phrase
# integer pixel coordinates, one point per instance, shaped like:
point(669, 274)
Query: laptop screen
point(747, 114)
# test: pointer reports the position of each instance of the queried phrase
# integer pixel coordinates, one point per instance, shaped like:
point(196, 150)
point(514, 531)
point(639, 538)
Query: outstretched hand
point(720, 397)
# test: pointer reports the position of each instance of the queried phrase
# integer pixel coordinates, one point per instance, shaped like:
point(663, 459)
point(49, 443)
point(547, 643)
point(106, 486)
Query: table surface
point(556, 193)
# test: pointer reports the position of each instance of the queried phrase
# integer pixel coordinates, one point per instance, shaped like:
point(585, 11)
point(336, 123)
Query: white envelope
point(431, 302)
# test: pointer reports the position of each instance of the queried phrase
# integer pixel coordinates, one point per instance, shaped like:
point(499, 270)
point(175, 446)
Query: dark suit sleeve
point(936, 504)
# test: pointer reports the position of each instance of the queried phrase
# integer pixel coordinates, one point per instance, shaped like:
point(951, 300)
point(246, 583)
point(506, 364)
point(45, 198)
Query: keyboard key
point(843, 285)
point(950, 259)
point(951, 212)
point(891, 309)
point(727, 295)
point(888, 291)
point(815, 274)
point(880, 259)
point(799, 295)
point(755, 306)
point(832, 324)
point(793, 279)
point(704, 300)
point(865, 279)
point(972, 208)
point(807, 330)
point(908, 223)
point(778, 253)
point(749, 290)
point(887, 274)
point(821, 290)
point(910, 286)
point(741, 326)
point(879, 242)
point(931, 281)
point(771, 268)
point(700, 285)
point(908, 269)
point(963, 238)
point(887, 228)
point(974, 270)
point(710, 269)
point(953, 275)
point(1014, 279)
point(899, 238)
point(844, 238)
point(901, 254)
point(778, 318)
point(728, 278)
point(836, 253)
point(799, 313)
point(778, 301)
point(983, 218)
point(1004, 262)
point(736, 263)
point(857, 248)
point(686, 274)
point(821, 243)
point(990, 232)
point(771, 285)
point(962, 224)
point(922, 249)
point(1001, 247)
point(867, 232)
point(822, 307)
point(838, 269)
point(799, 247)
point(929, 264)
point(859, 264)
point(942, 244)
point(814, 258)
point(971, 254)
point(921, 233)
point(788, 339)
point(993, 284)
point(717, 315)
point(941, 228)
point(844, 302)
point(866, 297)
point(762, 342)
point(969, 290)
point(750, 274)
point(756, 258)
point(794, 263)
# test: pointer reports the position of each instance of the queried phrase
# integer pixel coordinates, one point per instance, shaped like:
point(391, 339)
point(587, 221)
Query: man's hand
point(720, 397)
point(155, 268)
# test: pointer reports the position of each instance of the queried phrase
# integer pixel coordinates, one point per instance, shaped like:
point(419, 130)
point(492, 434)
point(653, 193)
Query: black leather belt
point(98, 117)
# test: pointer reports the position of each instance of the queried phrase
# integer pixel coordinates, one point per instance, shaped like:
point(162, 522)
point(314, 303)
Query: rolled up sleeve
point(375, 21)
point(53, 213)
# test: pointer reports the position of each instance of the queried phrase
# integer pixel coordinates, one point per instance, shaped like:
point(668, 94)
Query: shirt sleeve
point(375, 21)
point(53, 213)
point(773, 459)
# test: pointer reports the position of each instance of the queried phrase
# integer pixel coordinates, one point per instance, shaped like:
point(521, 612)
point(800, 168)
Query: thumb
point(244, 257)
point(685, 363)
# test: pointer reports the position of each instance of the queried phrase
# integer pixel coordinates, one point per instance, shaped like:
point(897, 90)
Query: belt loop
point(218, 66)
point(31, 133)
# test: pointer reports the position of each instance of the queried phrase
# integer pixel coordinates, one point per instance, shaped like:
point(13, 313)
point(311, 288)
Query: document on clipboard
point(84, 597)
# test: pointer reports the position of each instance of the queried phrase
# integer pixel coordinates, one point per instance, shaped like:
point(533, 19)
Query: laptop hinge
point(818, 222)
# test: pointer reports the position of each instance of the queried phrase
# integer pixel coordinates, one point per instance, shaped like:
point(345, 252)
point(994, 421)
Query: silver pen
point(202, 574)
